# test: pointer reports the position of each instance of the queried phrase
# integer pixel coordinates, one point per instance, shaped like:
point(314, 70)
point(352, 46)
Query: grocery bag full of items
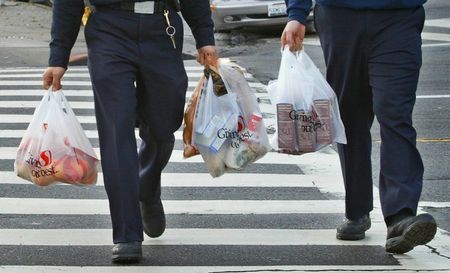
point(307, 109)
point(227, 126)
point(55, 147)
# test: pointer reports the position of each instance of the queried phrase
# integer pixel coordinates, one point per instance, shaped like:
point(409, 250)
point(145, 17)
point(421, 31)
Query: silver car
point(232, 14)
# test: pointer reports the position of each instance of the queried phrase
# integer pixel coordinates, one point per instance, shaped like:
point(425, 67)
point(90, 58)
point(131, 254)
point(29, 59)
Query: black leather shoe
point(410, 232)
point(153, 219)
point(127, 252)
point(353, 229)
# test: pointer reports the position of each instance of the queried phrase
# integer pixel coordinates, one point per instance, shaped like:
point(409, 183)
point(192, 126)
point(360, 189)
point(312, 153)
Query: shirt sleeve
point(197, 14)
point(298, 10)
point(66, 21)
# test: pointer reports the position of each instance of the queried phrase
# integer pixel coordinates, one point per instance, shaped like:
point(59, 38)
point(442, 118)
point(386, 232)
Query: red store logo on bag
point(45, 159)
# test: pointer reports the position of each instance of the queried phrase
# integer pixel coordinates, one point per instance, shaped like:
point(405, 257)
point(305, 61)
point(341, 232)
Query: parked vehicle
point(233, 14)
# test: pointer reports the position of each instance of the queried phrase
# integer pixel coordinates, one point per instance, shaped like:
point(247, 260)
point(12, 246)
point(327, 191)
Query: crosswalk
point(278, 215)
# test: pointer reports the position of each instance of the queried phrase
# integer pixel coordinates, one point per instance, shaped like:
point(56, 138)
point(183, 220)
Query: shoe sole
point(419, 233)
point(350, 237)
point(154, 234)
point(126, 259)
point(353, 237)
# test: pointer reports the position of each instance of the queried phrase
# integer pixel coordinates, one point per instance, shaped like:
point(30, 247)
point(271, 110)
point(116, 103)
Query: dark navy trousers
point(373, 58)
point(136, 74)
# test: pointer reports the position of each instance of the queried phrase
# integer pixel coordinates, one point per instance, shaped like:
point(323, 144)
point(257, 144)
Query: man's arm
point(294, 32)
point(65, 27)
point(66, 23)
point(298, 10)
point(197, 14)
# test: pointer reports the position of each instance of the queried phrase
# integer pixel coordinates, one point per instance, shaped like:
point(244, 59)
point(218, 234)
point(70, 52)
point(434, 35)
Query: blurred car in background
point(233, 14)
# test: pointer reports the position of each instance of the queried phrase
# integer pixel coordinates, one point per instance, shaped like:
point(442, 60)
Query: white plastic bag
point(55, 147)
point(229, 130)
point(307, 109)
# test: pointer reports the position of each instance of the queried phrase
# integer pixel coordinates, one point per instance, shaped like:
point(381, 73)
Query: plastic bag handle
point(296, 53)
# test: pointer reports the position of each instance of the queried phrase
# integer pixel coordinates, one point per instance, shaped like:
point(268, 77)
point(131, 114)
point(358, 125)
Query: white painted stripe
point(76, 93)
point(27, 119)
point(76, 75)
point(40, 92)
point(96, 237)
point(265, 108)
point(86, 75)
point(34, 104)
point(432, 96)
point(227, 180)
point(424, 262)
point(37, 96)
point(89, 134)
point(39, 83)
point(436, 45)
point(444, 23)
point(88, 83)
point(267, 237)
point(94, 206)
point(436, 36)
point(73, 69)
point(21, 133)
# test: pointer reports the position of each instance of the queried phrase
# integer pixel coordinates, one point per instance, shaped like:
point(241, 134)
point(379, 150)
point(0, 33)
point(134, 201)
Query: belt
point(146, 7)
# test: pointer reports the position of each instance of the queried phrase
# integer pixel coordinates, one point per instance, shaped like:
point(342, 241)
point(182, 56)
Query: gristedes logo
point(41, 164)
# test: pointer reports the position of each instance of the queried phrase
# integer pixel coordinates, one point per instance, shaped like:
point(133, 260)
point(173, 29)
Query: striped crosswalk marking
point(277, 215)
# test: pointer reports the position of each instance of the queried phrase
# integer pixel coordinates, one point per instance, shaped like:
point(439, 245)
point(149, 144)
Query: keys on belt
point(170, 30)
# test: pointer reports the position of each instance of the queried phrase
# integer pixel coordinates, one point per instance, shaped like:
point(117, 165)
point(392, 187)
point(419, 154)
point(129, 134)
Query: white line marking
point(89, 134)
point(435, 36)
point(76, 75)
point(97, 237)
point(444, 23)
point(227, 180)
point(73, 69)
point(39, 93)
point(96, 206)
point(436, 45)
point(88, 83)
point(27, 119)
point(425, 263)
point(39, 83)
point(34, 104)
point(433, 96)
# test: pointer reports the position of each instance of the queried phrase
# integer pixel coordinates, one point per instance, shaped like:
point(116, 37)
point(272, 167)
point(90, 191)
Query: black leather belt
point(148, 7)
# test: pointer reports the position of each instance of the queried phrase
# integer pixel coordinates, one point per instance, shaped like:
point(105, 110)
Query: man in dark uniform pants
point(372, 51)
point(137, 72)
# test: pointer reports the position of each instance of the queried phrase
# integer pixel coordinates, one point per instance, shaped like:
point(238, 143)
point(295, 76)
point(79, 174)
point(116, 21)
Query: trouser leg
point(153, 157)
point(394, 64)
point(113, 75)
point(161, 87)
point(346, 60)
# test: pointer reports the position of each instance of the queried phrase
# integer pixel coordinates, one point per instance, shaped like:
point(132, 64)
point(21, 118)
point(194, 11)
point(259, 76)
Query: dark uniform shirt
point(67, 16)
point(299, 9)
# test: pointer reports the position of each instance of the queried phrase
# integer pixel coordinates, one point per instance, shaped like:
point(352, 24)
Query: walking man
point(372, 51)
point(137, 74)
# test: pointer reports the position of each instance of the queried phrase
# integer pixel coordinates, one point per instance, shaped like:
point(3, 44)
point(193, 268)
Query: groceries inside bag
point(228, 128)
point(188, 122)
point(55, 147)
point(307, 109)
